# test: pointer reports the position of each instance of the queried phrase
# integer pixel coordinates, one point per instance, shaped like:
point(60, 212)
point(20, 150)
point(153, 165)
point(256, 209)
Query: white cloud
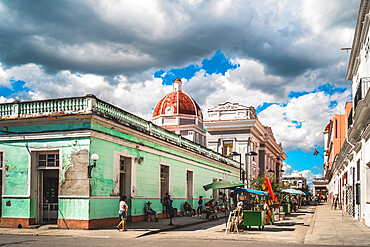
point(211, 90)
point(136, 97)
point(5, 100)
point(312, 111)
point(308, 174)
point(287, 168)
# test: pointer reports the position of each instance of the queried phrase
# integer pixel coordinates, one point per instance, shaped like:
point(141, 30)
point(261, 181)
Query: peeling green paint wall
point(17, 158)
point(18, 207)
point(74, 208)
point(15, 167)
point(102, 175)
point(110, 208)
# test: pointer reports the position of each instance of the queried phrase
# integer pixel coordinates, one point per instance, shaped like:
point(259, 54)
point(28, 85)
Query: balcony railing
point(361, 90)
point(90, 104)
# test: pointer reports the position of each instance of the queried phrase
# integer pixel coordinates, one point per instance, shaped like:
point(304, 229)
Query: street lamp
point(251, 153)
point(95, 158)
point(240, 163)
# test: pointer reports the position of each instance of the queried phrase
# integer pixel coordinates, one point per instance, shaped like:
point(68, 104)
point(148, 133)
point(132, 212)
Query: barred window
point(122, 165)
point(48, 159)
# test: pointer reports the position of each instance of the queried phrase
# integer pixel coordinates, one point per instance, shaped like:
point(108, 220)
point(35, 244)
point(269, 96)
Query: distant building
point(334, 137)
point(234, 127)
point(179, 113)
point(320, 186)
point(295, 181)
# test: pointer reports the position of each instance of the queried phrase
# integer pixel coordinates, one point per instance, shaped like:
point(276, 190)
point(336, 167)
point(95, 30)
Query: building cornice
point(356, 45)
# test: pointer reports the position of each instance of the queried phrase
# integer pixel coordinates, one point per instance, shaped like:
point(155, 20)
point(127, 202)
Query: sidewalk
point(329, 228)
point(134, 230)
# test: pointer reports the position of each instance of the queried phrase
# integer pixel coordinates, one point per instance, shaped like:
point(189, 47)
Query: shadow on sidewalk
point(163, 224)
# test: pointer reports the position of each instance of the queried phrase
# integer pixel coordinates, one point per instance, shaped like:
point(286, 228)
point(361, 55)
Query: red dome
point(177, 103)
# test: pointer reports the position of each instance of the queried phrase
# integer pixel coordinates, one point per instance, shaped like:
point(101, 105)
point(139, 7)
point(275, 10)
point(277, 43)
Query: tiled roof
point(177, 103)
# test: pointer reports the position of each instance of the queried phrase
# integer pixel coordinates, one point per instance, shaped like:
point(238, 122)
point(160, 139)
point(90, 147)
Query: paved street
point(312, 226)
point(16, 240)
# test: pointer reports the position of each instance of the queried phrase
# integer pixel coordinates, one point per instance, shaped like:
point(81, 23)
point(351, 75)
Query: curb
point(310, 229)
point(36, 234)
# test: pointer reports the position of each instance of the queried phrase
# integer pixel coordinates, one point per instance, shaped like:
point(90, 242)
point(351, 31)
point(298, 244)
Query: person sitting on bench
point(149, 211)
point(211, 209)
point(187, 208)
point(204, 211)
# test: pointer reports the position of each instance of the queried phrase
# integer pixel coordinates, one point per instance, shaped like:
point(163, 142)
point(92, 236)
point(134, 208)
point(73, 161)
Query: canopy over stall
point(222, 184)
point(293, 191)
point(258, 192)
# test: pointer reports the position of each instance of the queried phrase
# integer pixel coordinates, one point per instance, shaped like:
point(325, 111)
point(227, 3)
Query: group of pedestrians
point(208, 208)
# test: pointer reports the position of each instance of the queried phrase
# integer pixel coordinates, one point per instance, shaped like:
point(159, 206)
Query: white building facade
point(232, 127)
point(295, 182)
point(351, 168)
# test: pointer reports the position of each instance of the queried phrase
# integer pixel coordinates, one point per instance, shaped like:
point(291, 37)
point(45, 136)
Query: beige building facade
point(232, 127)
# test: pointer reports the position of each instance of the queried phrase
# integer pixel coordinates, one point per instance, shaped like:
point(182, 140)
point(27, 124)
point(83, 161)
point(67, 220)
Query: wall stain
point(9, 169)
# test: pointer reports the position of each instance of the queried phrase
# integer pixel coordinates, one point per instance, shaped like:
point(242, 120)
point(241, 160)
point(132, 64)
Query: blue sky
point(217, 64)
point(16, 87)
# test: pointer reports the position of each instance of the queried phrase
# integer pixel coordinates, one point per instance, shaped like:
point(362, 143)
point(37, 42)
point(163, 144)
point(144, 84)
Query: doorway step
point(48, 226)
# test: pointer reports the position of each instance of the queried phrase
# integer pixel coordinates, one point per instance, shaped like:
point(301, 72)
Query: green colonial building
point(46, 148)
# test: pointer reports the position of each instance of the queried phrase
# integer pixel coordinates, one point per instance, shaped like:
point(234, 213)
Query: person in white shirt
point(122, 213)
point(240, 203)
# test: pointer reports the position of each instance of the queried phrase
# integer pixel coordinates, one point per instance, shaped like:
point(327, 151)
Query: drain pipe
point(63, 218)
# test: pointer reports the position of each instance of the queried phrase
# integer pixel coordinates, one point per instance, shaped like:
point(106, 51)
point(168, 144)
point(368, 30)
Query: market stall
point(223, 184)
point(290, 199)
point(252, 211)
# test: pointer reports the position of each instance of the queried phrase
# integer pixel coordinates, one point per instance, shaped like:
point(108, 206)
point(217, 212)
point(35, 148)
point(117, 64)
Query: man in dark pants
point(165, 204)
point(149, 211)
point(169, 205)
